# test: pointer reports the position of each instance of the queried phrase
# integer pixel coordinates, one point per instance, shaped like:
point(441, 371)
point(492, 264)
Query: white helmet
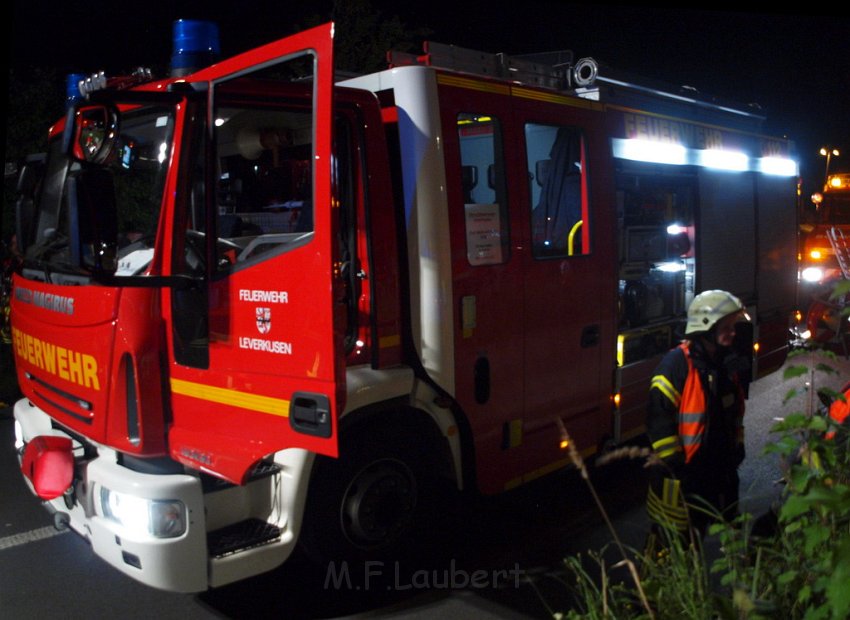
point(709, 307)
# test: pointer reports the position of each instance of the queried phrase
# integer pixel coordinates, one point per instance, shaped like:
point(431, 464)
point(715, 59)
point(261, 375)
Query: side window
point(556, 169)
point(263, 157)
point(484, 195)
point(263, 194)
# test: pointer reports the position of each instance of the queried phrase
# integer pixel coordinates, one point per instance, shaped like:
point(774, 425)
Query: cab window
point(558, 196)
point(484, 195)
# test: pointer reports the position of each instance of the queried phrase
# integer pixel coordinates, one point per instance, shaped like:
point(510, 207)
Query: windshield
point(128, 182)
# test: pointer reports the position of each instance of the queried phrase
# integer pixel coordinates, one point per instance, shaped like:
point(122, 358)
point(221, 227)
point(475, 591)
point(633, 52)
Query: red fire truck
point(261, 307)
point(820, 267)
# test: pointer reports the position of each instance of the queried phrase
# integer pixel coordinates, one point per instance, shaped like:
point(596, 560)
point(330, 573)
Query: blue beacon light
point(195, 45)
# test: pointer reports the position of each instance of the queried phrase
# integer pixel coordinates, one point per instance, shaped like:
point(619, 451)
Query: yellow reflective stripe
point(528, 93)
point(663, 512)
point(665, 441)
point(658, 511)
point(663, 454)
point(671, 491)
point(663, 385)
point(666, 446)
point(234, 398)
point(473, 84)
point(385, 342)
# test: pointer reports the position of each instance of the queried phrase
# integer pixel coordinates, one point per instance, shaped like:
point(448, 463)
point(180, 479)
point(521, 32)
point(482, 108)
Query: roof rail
point(563, 76)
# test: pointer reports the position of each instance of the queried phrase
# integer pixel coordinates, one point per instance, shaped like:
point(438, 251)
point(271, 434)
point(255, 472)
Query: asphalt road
point(507, 557)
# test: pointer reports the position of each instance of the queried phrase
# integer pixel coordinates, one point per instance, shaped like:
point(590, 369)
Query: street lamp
point(828, 152)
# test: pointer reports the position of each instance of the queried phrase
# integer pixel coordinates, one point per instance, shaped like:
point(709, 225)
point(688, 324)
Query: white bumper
point(178, 563)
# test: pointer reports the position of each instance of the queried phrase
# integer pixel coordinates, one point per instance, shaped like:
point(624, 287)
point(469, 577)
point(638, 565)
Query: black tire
point(382, 500)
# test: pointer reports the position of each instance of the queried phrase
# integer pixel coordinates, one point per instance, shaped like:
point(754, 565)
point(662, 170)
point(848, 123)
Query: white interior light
point(779, 166)
point(670, 267)
point(720, 159)
point(649, 151)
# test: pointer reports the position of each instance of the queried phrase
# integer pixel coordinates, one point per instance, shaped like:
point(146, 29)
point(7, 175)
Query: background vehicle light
point(159, 518)
point(812, 274)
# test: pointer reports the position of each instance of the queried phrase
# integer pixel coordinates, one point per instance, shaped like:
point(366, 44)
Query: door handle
point(311, 414)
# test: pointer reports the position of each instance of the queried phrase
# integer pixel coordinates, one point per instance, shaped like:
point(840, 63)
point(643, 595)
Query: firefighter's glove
point(665, 504)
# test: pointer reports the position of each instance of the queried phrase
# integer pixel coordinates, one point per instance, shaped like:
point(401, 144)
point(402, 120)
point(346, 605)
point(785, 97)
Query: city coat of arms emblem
point(264, 320)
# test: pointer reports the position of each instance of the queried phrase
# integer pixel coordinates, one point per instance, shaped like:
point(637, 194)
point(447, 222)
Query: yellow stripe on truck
point(234, 398)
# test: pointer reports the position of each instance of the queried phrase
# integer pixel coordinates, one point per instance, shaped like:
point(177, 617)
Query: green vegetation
point(794, 564)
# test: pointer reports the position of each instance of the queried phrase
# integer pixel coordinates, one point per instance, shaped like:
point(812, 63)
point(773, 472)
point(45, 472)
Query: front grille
point(69, 404)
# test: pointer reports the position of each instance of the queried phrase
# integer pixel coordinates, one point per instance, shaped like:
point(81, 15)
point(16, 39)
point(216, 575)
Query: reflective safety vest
point(692, 412)
point(692, 415)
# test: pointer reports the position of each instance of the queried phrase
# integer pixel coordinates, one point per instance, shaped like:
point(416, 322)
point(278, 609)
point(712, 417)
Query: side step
point(241, 536)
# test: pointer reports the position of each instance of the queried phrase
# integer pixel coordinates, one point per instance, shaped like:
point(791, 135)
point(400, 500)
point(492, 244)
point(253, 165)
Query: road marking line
point(27, 537)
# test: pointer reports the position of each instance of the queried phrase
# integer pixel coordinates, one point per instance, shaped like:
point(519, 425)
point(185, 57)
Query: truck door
point(569, 305)
point(257, 362)
point(533, 282)
point(487, 271)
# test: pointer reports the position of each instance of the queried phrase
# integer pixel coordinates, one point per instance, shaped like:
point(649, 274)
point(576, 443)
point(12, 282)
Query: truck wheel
point(379, 501)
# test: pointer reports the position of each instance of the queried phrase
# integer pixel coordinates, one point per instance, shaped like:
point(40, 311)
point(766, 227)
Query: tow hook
point(61, 521)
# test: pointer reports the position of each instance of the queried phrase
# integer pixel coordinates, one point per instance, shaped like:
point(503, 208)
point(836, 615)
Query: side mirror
point(93, 226)
point(91, 133)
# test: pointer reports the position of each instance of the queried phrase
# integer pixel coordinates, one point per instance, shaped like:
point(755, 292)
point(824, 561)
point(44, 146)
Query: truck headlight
point(157, 517)
point(19, 436)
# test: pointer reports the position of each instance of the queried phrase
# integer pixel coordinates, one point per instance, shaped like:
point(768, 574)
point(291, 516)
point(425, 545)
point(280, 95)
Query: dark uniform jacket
point(695, 422)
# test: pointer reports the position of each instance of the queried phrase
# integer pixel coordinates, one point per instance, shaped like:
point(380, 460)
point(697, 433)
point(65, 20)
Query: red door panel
point(274, 378)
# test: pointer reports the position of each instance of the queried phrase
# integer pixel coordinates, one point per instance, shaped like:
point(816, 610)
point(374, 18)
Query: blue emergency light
point(72, 88)
point(196, 45)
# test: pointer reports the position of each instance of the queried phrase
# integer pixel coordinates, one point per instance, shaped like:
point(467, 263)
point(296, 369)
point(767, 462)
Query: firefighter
point(695, 419)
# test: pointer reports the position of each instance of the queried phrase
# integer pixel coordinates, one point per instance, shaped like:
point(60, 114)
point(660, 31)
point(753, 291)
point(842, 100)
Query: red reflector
point(49, 465)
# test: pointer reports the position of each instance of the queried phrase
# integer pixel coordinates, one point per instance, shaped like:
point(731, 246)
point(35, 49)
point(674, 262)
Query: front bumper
point(178, 563)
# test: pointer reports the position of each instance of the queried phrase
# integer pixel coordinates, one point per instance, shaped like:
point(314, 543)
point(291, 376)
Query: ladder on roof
point(563, 75)
point(840, 246)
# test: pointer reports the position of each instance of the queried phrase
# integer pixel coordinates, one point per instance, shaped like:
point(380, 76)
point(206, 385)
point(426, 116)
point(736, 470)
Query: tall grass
point(797, 568)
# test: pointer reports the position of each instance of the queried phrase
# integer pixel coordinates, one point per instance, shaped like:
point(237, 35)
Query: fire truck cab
point(260, 307)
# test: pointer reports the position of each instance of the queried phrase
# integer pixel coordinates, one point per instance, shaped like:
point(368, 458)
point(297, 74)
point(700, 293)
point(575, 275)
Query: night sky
point(795, 66)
